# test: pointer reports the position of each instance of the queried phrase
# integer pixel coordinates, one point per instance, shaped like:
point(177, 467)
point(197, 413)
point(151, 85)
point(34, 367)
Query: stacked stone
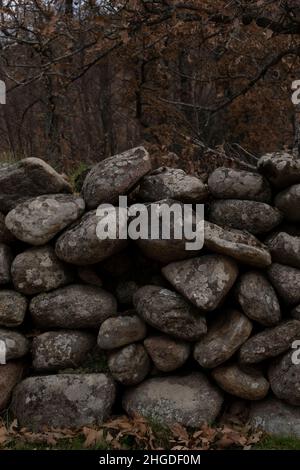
point(184, 332)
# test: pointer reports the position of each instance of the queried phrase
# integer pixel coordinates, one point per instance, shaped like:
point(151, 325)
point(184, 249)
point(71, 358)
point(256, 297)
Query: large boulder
point(13, 306)
point(286, 281)
point(26, 179)
point(173, 183)
point(168, 312)
point(81, 245)
point(288, 202)
point(258, 298)
point(248, 384)
point(284, 377)
point(228, 183)
point(270, 342)
point(39, 270)
point(10, 374)
point(115, 176)
point(205, 281)
point(275, 417)
point(6, 236)
point(285, 249)
point(120, 331)
point(242, 246)
point(189, 400)
point(6, 258)
point(38, 220)
point(280, 168)
point(255, 217)
point(16, 344)
point(63, 401)
point(130, 364)
point(74, 306)
point(167, 354)
point(56, 350)
point(225, 336)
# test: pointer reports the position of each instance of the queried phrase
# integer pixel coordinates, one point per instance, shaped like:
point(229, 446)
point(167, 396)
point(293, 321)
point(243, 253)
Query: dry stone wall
point(175, 335)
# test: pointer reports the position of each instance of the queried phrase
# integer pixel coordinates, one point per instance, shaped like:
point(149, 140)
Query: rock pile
point(175, 335)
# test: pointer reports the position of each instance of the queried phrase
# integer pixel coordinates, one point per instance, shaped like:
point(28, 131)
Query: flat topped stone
point(280, 168)
point(26, 179)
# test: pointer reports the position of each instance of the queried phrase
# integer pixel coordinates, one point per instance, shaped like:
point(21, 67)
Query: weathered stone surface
point(285, 249)
point(280, 168)
point(170, 313)
point(171, 249)
point(286, 281)
point(39, 270)
point(16, 343)
point(258, 298)
point(13, 307)
point(125, 291)
point(225, 336)
point(228, 183)
point(248, 384)
point(172, 183)
point(270, 342)
point(242, 246)
point(26, 179)
point(190, 400)
point(10, 374)
point(167, 354)
point(63, 401)
point(6, 236)
point(295, 313)
point(119, 331)
point(130, 364)
point(80, 244)
point(6, 258)
point(275, 417)
point(255, 217)
point(205, 281)
point(75, 306)
point(115, 176)
point(288, 202)
point(38, 220)
point(56, 350)
point(284, 377)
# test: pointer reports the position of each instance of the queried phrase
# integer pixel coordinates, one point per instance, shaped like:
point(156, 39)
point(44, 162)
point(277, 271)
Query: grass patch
point(77, 176)
point(278, 443)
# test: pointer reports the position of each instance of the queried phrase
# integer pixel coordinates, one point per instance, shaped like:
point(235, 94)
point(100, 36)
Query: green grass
point(278, 443)
point(64, 444)
point(75, 175)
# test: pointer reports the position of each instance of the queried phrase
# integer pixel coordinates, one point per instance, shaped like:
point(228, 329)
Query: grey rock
point(6, 236)
point(280, 168)
point(6, 258)
point(80, 244)
point(26, 179)
point(205, 281)
point(39, 270)
point(270, 342)
point(286, 280)
point(288, 202)
point(255, 217)
point(13, 306)
point(38, 220)
point(120, 331)
point(115, 176)
point(189, 400)
point(173, 183)
point(284, 377)
point(167, 354)
point(56, 350)
point(170, 313)
point(225, 336)
point(258, 298)
point(130, 364)
point(75, 306)
point(275, 417)
point(16, 345)
point(242, 246)
point(63, 401)
point(10, 374)
point(228, 183)
point(285, 249)
point(248, 384)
